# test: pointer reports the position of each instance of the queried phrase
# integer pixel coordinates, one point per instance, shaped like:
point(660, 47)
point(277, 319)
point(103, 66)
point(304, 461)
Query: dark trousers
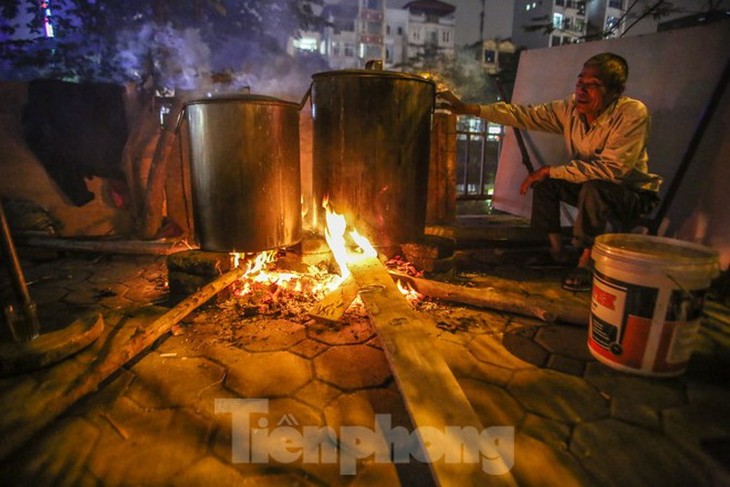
point(599, 202)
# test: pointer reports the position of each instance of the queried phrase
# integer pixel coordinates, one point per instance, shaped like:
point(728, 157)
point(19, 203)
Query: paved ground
point(168, 417)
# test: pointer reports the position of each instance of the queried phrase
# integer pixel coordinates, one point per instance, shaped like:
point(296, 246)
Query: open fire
point(268, 289)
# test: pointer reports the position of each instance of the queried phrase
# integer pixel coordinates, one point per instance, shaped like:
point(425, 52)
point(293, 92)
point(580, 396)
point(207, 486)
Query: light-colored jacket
point(612, 148)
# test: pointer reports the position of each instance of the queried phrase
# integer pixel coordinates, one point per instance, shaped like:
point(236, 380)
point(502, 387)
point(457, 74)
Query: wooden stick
point(430, 391)
point(99, 361)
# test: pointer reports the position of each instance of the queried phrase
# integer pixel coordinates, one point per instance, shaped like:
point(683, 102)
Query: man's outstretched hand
point(447, 99)
point(535, 177)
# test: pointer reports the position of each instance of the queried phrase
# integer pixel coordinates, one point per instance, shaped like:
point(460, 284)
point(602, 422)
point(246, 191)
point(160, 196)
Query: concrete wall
point(674, 73)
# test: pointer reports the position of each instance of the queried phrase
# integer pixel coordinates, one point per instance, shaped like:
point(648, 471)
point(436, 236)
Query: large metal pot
point(244, 165)
point(371, 150)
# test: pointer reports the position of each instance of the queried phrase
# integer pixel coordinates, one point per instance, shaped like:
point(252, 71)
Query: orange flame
point(316, 281)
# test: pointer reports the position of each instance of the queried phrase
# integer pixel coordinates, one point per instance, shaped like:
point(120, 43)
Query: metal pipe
point(692, 148)
point(23, 322)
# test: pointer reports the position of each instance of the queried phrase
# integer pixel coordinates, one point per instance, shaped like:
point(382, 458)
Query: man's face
point(591, 95)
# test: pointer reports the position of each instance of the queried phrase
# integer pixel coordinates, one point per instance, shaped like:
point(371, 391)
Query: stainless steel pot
point(244, 165)
point(371, 150)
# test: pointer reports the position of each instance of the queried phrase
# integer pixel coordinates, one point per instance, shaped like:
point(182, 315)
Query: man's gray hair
point(614, 70)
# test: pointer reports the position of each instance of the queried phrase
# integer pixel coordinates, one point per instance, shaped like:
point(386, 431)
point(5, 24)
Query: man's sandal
point(580, 279)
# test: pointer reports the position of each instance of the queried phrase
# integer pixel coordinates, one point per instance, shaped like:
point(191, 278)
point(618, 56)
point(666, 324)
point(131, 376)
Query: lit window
point(558, 20)
point(306, 44)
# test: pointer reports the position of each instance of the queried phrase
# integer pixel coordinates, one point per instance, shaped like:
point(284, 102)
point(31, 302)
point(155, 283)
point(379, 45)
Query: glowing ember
point(411, 295)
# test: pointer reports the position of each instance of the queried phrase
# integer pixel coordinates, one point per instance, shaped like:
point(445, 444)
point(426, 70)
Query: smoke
point(175, 58)
point(206, 47)
point(180, 59)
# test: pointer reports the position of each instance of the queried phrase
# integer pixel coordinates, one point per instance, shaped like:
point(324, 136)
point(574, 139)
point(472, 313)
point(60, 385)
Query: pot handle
point(374, 65)
point(306, 96)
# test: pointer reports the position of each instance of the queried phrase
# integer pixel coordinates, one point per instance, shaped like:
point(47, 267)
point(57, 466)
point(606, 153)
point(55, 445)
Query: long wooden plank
point(430, 391)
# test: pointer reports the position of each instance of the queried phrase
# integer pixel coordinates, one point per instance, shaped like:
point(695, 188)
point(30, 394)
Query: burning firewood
point(333, 306)
point(500, 300)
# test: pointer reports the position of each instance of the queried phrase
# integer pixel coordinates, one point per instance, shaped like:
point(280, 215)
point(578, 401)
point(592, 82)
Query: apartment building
point(364, 30)
point(548, 23)
point(429, 31)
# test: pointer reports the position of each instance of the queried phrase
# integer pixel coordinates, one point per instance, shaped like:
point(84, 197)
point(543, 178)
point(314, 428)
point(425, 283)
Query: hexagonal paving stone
point(308, 348)
point(558, 396)
point(269, 374)
point(272, 414)
point(46, 460)
point(552, 433)
point(46, 294)
point(635, 413)
point(143, 291)
point(159, 444)
point(270, 335)
point(570, 341)
point(352, 332)
point(492, 404)
point(353, 409)
point(525, 349)
point(616, 453)
point(694, 423)
point(538, 463)
point(490, 349)
point(566, 365)
point(655, 393)
point(318, 394)
point(210, 471)
point(491, 374)
point(353, 367)
point(193, 382)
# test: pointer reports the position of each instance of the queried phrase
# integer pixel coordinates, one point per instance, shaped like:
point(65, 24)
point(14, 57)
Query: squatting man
point(606, 177)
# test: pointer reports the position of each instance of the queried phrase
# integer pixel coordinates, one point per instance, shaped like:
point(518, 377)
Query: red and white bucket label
point(641, 329)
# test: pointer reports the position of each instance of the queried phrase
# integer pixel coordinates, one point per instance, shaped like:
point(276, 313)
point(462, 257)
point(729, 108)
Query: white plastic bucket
point(646, 301)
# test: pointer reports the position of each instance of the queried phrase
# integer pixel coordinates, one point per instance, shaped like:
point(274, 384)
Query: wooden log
point(132, 247)
point(430, 391)
point(480, 297)
point(333, 305)
point(534, 305)
point(70, 380)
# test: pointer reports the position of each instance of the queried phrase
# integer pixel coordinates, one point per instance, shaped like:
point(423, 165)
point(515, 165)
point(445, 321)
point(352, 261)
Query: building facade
point(359, 31)
point(549, 23)
point(430, 32)
point(355, 34)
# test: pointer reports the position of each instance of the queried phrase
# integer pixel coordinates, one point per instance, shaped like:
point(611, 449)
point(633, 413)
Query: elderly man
point(606, 176)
